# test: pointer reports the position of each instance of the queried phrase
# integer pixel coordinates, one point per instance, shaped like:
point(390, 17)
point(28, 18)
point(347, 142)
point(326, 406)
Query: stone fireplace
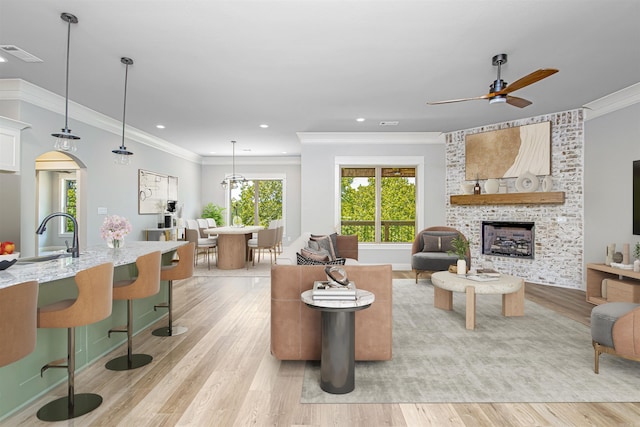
point(557, 245)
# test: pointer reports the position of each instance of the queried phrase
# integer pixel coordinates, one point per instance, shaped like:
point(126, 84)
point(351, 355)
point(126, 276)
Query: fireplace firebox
point(508, 239)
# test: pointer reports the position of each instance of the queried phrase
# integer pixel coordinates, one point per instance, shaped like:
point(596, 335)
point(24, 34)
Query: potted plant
point(460, 247)
point(214, 211)
point(636, 255)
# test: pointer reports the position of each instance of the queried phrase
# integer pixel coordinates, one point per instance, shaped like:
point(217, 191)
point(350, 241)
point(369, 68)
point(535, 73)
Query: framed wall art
point(509, 153)
point(154, 189)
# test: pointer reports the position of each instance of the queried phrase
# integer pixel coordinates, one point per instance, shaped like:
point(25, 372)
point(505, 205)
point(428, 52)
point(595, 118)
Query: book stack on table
point(334, 291)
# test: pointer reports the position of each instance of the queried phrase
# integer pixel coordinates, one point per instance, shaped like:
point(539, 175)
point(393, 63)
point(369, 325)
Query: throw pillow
point(334, 241)
point(325, 243)
point(437, 243)
point(315, 255)
point(301, 260)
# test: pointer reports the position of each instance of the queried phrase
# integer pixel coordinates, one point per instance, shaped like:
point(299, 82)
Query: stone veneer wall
point(558, 228)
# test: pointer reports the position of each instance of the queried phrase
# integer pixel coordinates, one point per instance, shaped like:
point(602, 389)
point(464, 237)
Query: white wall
point(612, 143)
point(319, 191)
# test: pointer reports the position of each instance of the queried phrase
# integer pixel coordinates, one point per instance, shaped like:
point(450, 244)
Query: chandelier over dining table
point(234, 180)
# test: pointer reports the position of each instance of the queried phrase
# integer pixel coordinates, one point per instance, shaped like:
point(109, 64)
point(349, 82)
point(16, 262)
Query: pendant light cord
point(66, 93)
point(124, 109)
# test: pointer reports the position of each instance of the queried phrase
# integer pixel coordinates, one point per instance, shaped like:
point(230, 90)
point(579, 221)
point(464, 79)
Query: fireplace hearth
point(508, 239)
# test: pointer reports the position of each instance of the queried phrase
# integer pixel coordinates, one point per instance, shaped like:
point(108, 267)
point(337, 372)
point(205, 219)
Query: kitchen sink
point(43, 258)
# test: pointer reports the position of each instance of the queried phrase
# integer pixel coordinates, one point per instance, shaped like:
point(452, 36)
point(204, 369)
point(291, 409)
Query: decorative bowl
point(467, 187)
point(7, 261)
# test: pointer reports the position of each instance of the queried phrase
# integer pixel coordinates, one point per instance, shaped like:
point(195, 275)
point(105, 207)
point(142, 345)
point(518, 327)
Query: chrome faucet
point(75, 250)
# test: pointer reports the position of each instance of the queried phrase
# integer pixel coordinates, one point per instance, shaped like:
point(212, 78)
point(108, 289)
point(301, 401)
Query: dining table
point(232, 244)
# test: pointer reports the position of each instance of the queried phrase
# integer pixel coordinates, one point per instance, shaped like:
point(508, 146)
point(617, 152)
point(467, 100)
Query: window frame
point(380, 161)
point(63, 204)
point(260, 177)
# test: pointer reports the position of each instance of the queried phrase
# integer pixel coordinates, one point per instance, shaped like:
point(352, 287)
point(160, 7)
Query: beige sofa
point(295, 327)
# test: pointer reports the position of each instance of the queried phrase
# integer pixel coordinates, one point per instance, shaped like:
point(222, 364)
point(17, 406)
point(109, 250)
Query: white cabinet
point(10, 144)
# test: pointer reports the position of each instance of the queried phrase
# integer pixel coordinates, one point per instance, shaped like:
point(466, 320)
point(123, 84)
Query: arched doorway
point(59, 188)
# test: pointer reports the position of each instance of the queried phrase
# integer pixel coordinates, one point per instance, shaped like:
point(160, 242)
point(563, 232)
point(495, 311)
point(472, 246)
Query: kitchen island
point(20, 382)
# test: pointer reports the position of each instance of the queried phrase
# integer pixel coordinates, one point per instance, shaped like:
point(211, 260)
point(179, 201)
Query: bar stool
point(18, 321)
point(92, 305)
point(146, 284)
point(183, 269)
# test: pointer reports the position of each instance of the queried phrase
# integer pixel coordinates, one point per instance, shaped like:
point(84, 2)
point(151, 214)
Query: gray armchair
point(430, 250)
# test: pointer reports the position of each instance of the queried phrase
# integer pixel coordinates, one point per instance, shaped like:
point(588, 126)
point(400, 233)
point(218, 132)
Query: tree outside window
point(378, 203)
point(257, 202)
point(69, 203)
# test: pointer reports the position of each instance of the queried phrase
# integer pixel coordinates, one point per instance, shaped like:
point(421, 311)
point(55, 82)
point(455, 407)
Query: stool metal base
point(122, 363)
point(164, 331)
point(59, 409)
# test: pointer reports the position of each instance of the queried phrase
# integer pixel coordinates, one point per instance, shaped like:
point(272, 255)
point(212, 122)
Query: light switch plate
point(102, 211)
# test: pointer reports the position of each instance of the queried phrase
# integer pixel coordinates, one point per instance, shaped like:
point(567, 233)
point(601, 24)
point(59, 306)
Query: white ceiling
point(213, 71)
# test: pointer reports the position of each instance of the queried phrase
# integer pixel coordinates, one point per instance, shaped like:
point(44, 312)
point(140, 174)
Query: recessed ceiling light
point(360, 119)
point(160, 126)
point(2, 59)
point(264, 126)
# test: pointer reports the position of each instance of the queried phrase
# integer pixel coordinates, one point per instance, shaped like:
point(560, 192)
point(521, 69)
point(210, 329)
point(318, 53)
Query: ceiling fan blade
point(528, 80)
point(517, 102)
point(449, 101)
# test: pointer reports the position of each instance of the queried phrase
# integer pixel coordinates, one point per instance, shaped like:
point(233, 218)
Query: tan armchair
point(615, 330)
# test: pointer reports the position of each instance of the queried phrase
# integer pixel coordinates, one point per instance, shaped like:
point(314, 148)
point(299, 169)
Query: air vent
point(389, 123)
point(19, 53)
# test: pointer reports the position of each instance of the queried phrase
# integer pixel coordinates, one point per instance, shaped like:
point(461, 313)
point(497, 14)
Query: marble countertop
point(63, 268)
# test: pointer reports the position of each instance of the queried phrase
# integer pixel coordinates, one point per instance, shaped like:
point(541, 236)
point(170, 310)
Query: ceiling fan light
point(500, 99)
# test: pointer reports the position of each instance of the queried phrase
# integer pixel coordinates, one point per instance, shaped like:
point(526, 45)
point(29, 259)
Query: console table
point(622, 285)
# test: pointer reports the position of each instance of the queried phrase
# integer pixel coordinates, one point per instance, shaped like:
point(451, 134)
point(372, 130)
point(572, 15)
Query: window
point(68, 203)
point(258, 201)
point(378, 203)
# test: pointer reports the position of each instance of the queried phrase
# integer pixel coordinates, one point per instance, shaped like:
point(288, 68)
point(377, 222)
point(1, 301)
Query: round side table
point(337, 359)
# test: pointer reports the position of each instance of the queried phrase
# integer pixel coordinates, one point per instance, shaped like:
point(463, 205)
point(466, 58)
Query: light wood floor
point(220, 373)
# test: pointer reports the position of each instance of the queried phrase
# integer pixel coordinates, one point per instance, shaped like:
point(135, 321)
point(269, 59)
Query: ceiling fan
point(500, 90)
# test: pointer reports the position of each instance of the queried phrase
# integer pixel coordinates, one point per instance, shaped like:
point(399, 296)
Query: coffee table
point(511, 288)
point(337, 358)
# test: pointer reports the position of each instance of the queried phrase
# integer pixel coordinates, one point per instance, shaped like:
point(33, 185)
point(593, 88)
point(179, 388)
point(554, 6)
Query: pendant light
point(232, 181)
point(65, 140)
point(122, 156)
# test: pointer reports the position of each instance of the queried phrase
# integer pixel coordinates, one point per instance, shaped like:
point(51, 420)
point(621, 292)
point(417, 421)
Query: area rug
point(540, 357)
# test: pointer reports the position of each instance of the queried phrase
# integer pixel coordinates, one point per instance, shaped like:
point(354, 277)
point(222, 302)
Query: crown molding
point(253, 160)
point(370, 137)
point(612, 102)
point(13, 124)
point(22, 90)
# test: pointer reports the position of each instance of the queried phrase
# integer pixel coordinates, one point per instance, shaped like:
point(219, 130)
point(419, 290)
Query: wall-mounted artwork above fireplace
point(509, 153)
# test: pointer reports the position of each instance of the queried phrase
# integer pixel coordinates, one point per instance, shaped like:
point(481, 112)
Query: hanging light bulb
point(122, 156)
point(65, 140)
point(232, 181)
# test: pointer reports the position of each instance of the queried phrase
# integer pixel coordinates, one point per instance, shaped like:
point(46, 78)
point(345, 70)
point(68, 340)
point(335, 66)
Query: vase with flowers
point(113, 230)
